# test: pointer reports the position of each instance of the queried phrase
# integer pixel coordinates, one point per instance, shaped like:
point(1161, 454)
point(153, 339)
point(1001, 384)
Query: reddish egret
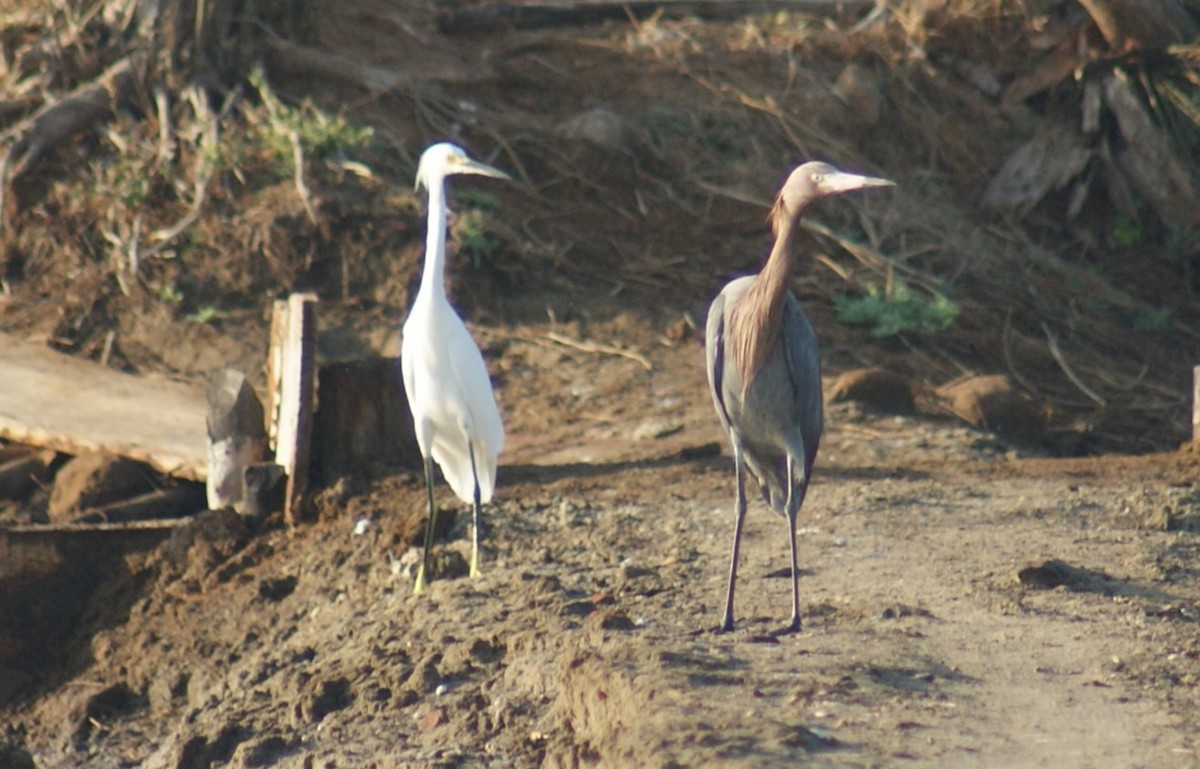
point(454, 411)
point(764, 370)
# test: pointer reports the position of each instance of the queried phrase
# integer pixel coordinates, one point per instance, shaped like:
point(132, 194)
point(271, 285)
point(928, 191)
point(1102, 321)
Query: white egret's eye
point(818, 178)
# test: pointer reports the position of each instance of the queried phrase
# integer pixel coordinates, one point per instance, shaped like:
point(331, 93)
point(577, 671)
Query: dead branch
point(482, 18)
point(1052, 343)
point(835, 268)
point(301, 187)
point(206, 166)
point(1048, 162)
point(602, 349)
point(1057, 66)
point(1006, 335)
point(166, 141)
point(298, 60)
point(55, 123)
point(1147, 159)
point(1130, 24)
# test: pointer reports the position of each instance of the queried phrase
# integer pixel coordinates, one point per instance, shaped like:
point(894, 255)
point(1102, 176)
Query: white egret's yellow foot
point(419, 585)
point(474, 571)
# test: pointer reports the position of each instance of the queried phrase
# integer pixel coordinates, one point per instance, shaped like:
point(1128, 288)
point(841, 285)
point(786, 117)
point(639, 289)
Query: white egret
point(764, 370)
point(449, 393)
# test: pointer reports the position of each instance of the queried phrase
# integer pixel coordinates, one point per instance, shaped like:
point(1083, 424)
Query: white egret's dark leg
point(429, 524)
point(475, 515)
point(793, 507)
point(740, 511)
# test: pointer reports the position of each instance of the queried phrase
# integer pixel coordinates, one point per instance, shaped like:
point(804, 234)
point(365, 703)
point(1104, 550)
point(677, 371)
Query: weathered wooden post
point(291, 375)
point(1196, 405)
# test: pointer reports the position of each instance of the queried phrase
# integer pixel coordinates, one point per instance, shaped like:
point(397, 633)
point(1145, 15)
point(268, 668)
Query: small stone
point(14, 757)
point(680, 331)
point(599, 126)
point(275, 589)
point(1159, 520)
point(859, 90)
point(163, 690)
point(433, 719)
point(261, 752)
point(24, 473)
point(654, 429)
point(611, 619)
point(1055, 573)
point(993, 403)
point(875, 388)
point(95, 479)
point(325, 697)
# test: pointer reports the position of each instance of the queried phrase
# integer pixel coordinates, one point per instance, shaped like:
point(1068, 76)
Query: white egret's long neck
point(433, 275)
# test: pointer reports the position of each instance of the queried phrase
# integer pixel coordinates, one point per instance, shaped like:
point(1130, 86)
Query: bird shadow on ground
point(702, 454)
point(1055, 573)
point(920, 674)
point(708, 457)
point(867, 473)
point(786, 572)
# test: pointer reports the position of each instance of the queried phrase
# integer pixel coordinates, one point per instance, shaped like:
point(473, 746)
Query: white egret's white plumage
point(764, 370)
point(449, 393)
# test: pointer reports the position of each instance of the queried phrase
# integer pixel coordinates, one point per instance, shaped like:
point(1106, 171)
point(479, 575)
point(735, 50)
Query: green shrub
point(1156, 322)
point(896, 309)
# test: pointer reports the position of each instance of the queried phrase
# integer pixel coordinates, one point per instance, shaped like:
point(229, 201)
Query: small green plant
point(895, 309)
point(470, 226)
point(667, 124)
point(1156, 322)
point(473, 237)
point(1127, 231)
point(320, 135)
point(124, 179)
point(169, 293)
point(477, 199)
point(205, 315)
point(131, 183)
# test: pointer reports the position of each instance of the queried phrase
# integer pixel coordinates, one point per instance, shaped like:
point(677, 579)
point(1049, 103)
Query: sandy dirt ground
point(963, 606)
point(967, 602)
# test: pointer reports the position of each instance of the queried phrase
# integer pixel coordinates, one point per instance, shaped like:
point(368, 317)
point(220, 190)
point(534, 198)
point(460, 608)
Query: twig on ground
point(166, 141)
point(601, 349)
point(1066, 369)
point(298, 163)
point(1006, 335)
point(835, 268)
point(109, 338)
point(206, 166)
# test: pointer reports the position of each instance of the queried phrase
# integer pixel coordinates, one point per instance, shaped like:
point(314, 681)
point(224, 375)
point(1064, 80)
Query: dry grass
point(640, 192)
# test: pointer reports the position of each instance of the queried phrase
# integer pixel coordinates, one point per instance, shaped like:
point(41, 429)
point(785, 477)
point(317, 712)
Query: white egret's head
point(446, 159)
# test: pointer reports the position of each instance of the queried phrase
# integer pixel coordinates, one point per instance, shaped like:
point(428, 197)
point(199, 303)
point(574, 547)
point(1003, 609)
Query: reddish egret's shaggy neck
point(755, 326)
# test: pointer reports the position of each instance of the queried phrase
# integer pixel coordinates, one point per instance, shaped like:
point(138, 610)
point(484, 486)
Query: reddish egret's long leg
point(740, 475)
point(794, 500)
